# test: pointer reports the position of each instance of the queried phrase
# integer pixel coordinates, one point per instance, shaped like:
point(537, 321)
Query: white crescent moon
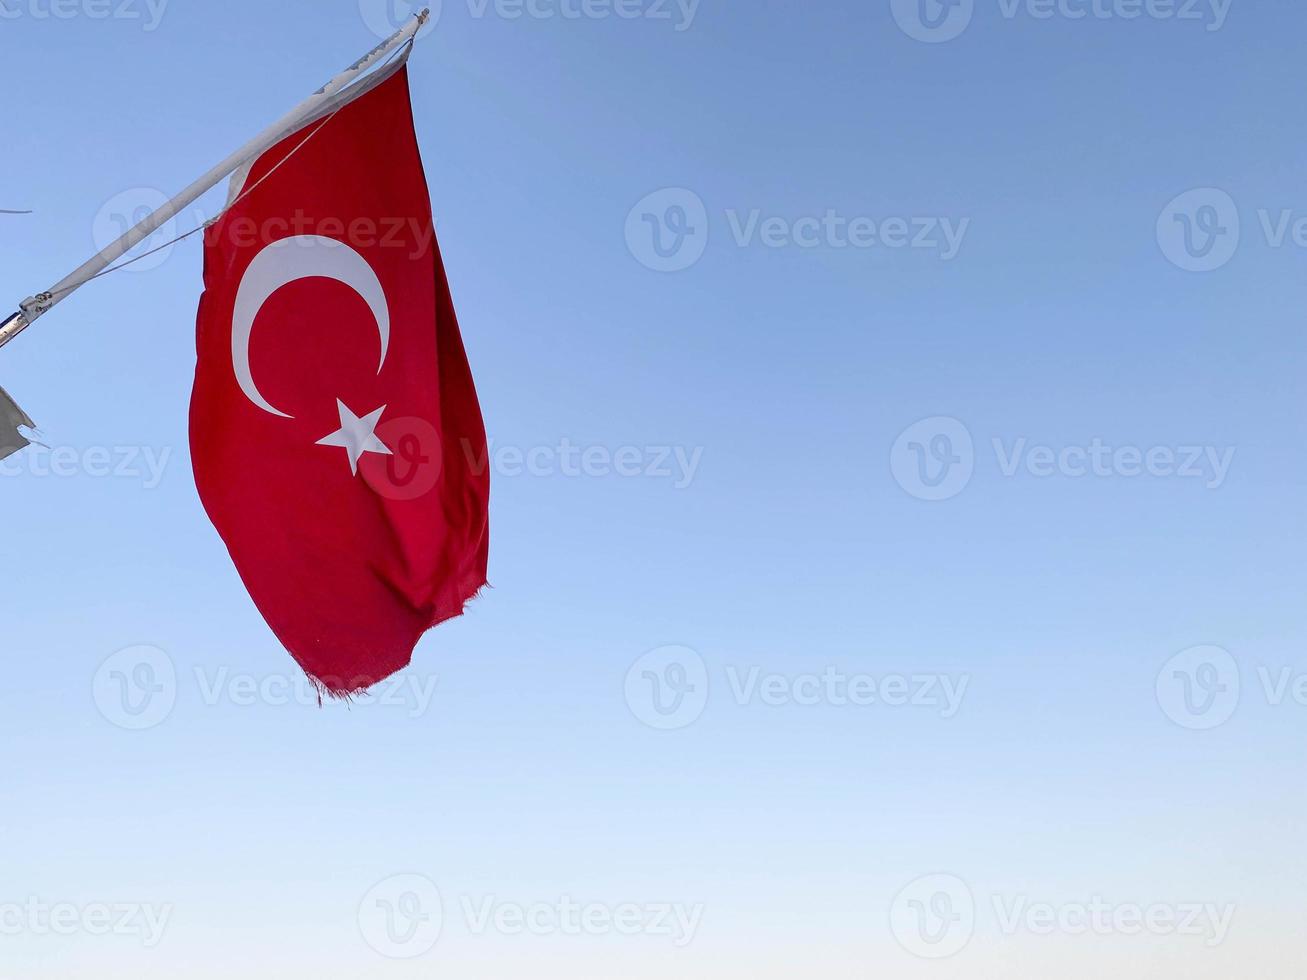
point(287, 261)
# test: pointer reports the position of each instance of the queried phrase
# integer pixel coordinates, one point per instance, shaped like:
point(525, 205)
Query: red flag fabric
point(336, 437)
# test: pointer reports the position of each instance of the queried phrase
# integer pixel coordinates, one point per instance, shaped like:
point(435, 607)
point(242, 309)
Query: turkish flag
point(336, 437)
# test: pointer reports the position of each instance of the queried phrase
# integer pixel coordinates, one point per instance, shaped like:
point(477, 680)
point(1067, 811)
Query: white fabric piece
point(11, 417)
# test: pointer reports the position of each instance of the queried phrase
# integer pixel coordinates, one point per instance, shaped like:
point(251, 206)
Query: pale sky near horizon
point(896, 538)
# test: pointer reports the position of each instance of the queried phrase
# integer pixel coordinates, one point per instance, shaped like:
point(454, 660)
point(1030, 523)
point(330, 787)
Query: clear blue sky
point(1029, 460)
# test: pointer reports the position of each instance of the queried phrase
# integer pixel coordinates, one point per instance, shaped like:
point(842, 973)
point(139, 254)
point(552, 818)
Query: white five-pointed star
point(356, 435)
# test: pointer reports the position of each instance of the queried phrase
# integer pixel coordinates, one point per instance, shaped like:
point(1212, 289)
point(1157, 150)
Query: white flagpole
point(36, 306)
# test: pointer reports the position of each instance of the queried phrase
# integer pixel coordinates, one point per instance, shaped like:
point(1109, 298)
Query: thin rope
point(219, 216)
point(204, 227)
